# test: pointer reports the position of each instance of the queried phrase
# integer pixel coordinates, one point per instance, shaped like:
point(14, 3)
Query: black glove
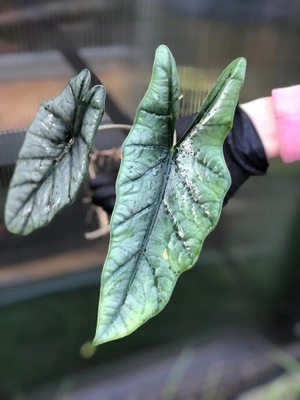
point(104, 192)
point(243, 152)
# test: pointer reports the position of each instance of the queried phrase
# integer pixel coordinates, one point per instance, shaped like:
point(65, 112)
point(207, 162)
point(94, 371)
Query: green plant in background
point(284, 387)
point(169, 194)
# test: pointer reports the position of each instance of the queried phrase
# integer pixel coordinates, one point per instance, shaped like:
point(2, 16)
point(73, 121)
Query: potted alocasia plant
point(169, 193)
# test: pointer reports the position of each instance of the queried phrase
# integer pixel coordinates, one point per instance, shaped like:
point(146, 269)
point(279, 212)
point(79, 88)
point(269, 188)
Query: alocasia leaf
point(169, 197)
point(54, 158)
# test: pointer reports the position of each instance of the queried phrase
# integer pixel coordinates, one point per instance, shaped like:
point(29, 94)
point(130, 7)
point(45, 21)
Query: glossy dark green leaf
point(169, 197)
point(54, 158)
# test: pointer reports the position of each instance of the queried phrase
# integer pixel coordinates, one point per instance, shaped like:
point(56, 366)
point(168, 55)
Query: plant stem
point(114, 126)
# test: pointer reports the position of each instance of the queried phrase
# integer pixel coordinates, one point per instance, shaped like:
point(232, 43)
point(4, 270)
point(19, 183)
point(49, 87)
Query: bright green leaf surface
point(168, 198)
point(54, 158)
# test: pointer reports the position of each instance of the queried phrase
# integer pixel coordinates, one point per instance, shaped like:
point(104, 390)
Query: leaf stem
point(115, 126)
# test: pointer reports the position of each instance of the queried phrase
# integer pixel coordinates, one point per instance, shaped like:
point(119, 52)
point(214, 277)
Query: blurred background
point(233, 322)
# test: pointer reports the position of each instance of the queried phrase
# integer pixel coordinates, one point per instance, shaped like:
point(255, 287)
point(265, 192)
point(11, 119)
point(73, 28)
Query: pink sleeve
point(286, 103)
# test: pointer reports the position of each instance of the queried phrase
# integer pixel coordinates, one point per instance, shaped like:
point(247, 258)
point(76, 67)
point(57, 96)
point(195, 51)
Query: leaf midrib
point(143, 249)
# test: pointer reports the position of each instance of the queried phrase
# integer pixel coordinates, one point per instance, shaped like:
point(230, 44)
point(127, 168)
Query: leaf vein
point(201, 162)
point(41, 137)
point(68, 128)
point(148, 146)
point(23, 183)
point(149, 169)
point(155, 114)
point(195, 196)
point(135, 214)
point(155, 278)
point(177, 229)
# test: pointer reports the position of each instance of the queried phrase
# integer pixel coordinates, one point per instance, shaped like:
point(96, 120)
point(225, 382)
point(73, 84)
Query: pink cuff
point(286, 103)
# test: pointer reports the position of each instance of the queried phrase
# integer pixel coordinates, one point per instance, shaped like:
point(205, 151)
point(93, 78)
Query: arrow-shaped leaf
point(168, 198)
point(54, 158)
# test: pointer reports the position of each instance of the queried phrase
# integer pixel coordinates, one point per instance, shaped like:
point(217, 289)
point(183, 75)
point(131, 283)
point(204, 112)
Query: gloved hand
point(243, 152)
point(104, 192)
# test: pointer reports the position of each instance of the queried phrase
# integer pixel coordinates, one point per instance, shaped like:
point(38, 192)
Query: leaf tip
point(84, 74)
point(103, 336)
point(81, 81)
point(164, 53)
point(98, 95)
point(239, 66)
point(11, 223)
point(163, 48)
